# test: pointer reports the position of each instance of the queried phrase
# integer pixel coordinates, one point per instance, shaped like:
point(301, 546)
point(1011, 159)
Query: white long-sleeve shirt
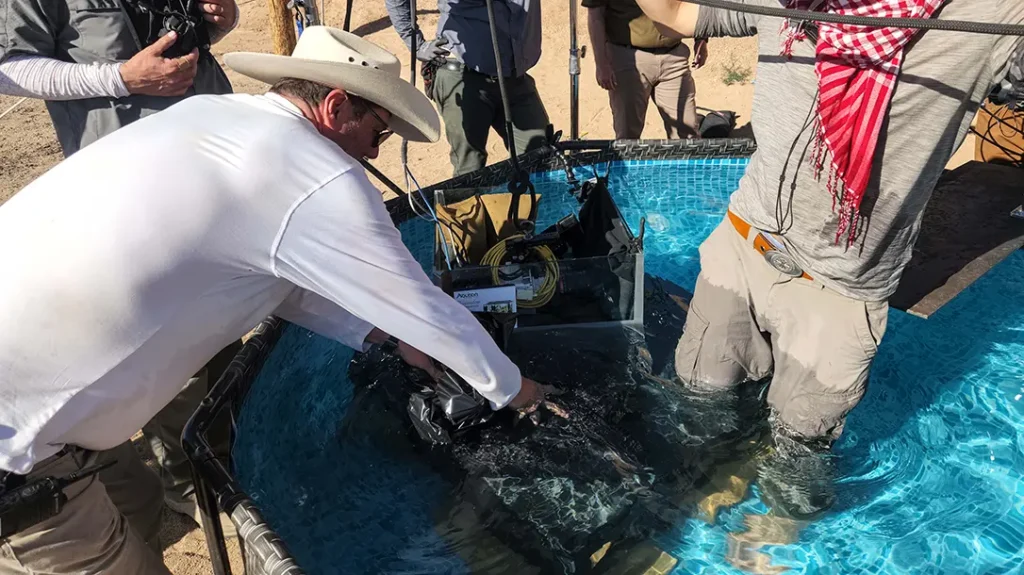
point(31, 76)
point(130, 264)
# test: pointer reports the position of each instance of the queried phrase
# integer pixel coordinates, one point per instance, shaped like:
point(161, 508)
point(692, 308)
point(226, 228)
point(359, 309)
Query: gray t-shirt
point(944, 79)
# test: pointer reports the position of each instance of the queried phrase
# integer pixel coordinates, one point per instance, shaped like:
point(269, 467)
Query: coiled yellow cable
point(496, 254)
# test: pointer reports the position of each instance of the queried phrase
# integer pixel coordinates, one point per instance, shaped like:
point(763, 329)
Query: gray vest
point(88, 31)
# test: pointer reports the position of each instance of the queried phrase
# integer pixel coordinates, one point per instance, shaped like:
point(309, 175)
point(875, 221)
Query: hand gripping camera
point(180, 16)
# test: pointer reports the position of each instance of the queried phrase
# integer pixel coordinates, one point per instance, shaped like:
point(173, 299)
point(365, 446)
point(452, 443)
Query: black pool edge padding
point(263, 550)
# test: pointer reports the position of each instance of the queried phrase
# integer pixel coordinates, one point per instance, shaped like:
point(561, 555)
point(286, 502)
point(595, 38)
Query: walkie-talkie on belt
point(39, 500)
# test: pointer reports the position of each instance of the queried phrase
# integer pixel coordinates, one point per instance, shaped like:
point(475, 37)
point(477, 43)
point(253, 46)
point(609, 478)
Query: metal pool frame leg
point(213, 531)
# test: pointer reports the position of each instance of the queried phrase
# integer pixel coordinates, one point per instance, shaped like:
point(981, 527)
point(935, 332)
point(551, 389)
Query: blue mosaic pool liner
point(265, 552)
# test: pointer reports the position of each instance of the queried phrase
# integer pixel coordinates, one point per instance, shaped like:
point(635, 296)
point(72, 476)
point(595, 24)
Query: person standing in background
point(460, 75)
point(637, 63)
point(101, 65)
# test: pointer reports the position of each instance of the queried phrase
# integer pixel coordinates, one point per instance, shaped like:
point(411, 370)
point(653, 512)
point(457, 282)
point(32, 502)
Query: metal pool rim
point(263, 550)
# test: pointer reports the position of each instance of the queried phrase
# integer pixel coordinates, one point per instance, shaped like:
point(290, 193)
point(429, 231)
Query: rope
point(915, 23)
point(11, 109)
point(496, 255)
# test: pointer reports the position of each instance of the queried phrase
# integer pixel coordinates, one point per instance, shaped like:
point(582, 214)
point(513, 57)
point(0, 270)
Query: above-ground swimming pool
point(931, 462)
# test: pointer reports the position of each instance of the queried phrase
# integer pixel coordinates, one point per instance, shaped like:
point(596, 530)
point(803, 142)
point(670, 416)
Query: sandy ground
point(28, 146)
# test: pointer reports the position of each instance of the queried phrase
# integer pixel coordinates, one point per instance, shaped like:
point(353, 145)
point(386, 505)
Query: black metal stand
point(382, 178)
point(574, 75)
point(212, 529)
point(412, 80)
point(519, 183)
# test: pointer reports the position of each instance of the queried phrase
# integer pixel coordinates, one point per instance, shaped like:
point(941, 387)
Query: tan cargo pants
point(110, 524)
point(748, 321)
point(641, 76)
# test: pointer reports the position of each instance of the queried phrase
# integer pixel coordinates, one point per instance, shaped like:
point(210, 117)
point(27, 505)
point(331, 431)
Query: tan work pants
point(641, 75)
point(110, 524)
point(747, 320)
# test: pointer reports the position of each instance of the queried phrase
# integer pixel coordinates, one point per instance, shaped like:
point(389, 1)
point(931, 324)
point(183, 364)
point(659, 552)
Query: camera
point(179, 16)
point(188, 35)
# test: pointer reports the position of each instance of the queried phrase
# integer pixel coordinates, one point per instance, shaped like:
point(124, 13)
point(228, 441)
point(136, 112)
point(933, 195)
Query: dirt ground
point(28, 146)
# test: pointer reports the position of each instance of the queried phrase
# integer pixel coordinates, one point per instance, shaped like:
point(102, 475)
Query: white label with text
point(495, 300)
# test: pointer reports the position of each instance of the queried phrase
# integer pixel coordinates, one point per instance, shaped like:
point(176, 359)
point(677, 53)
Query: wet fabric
point(749, 321)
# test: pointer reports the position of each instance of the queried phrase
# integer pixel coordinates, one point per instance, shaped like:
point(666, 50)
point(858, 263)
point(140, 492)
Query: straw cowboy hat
point(342, 60)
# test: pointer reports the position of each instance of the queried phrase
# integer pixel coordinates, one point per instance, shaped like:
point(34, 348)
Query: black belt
point(656, 50)
point(457, 66)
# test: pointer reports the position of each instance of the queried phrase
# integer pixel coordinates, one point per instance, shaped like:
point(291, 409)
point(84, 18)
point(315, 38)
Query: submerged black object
point(445, 409)
point(553, 491)
point(448, 406)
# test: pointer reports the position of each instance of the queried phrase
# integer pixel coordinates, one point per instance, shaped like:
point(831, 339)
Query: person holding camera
point(461, 77)
point(100, 65)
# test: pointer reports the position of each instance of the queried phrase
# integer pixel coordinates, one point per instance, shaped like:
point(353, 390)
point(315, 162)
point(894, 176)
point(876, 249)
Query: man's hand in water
point(417, 358)
point(532, 396)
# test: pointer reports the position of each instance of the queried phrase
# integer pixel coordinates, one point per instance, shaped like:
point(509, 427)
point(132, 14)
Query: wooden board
point(967, 230)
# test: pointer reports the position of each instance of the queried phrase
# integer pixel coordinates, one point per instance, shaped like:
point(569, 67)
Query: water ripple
point(931, 463)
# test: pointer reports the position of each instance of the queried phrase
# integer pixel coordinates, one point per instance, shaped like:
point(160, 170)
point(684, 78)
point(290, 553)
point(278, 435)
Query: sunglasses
point(381, 135)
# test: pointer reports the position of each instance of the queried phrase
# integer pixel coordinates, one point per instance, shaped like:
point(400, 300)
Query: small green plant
point(733, 73)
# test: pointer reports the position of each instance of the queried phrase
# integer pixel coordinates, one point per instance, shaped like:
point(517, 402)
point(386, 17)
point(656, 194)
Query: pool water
point(931, 462)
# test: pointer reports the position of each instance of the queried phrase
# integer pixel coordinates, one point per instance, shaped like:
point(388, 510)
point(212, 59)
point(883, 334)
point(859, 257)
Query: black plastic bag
point(449, 406)
point(718, 124)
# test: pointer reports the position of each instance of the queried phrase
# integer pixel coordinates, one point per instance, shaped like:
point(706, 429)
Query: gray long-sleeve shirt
point(88, 32)
point(465, 24)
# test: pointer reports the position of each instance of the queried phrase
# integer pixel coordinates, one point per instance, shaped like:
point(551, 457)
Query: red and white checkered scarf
point(857, 69)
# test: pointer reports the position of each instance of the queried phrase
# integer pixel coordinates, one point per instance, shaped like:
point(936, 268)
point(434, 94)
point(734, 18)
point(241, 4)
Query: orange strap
point(741, 226)
point(761, 244)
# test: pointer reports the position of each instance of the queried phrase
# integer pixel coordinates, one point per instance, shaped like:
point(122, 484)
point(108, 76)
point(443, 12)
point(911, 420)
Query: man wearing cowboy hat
point(100, 65)
point(195, 224)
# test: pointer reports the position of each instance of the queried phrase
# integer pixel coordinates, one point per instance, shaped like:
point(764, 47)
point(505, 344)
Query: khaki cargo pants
point(641, 76)
point(748, 321)
point(110, 524)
